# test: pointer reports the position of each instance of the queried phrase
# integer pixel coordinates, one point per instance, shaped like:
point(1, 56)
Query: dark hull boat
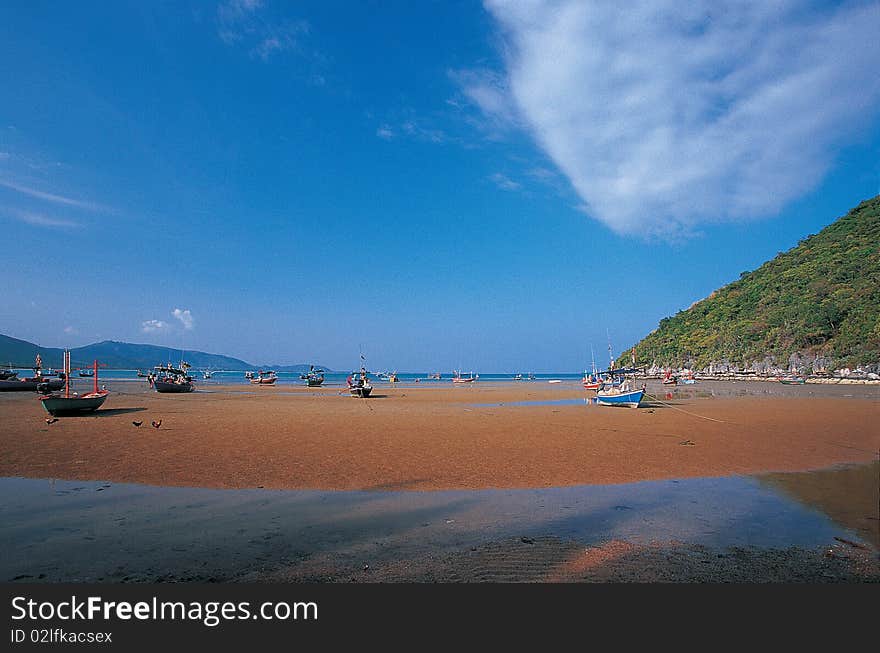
point(362, 391)
point(359, 382)
point(31, 384)
point(59, 406)
point(172, 379)
point(173, 386)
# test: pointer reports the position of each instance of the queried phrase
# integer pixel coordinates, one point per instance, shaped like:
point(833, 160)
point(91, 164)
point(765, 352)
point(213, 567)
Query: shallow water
point(94, 531)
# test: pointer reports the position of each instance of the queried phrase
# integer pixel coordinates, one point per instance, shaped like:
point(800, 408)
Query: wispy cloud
point(152, 326)
point(185, 317)
point(244, 23)
point(385, 132)
point(51, 197)
point(40, 220)
point(667, 114)
point(71, 331)
point(504, 182)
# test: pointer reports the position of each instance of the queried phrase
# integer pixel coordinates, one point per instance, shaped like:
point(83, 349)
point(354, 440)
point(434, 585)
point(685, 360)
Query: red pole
point(96, 375)
point(67, 374)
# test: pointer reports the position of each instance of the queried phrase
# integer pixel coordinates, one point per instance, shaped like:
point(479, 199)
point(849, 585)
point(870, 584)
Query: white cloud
point(185, 317)
point(40, 220)
point(504, 182)
point(70, 330)
point(385, 132)
point(665, 114)
point(51, 197)
point(151, 326)
point(242, 22)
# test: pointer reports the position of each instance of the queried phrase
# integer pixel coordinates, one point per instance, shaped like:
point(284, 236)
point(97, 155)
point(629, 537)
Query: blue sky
point(493, 186)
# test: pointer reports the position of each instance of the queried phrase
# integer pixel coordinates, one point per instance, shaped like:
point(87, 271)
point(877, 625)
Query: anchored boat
point(265, 378)
point(313, 378)
point(359, 382)
point(171, 379)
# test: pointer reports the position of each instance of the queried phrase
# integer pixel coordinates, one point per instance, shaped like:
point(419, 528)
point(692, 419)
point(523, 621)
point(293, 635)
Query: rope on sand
point(686, 412)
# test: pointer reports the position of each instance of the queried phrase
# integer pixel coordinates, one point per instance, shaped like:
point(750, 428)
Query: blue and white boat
point(618, 397)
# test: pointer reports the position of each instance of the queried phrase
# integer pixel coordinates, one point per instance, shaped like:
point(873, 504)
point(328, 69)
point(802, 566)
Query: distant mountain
point(816, 305)
point(123, 355)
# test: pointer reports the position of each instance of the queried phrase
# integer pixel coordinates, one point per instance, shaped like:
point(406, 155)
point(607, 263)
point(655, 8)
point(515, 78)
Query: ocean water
point(330, 378)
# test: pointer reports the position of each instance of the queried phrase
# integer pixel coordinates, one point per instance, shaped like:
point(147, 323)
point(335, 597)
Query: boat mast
point(67, 373)
point(610, 354)
point(96, 376)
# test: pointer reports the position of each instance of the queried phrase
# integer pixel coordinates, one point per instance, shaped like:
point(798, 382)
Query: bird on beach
point(51, 420)
point(156, 424)
point(138, 423)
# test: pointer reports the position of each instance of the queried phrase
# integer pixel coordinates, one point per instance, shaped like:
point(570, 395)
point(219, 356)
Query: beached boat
point(265, 378)
point(32, 384)
point(435, 375)
point(792, 380)
point(64, 404)
point(359, 383)
point(619, 395)
point(7, 374)
point(313, 377)
point(170, 379)
point(36, 383)
point(591, 382)
point(141, 374)
point(458, 377)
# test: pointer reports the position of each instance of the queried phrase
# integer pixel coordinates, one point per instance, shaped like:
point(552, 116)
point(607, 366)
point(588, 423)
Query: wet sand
point(436, 437)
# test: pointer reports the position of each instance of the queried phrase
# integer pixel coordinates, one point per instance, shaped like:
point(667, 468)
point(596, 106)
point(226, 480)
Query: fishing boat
point(669, 379)
point(141, 374)
point(792, 380)
point(265, 378)
point(393, 378)
point(620, 394)
point(8, 374)
point(170, 379)
point(359, 383)
point(207, 374)
point(518, 377)
point(59, 405)
point(31, 383)
point(435, 375)
point(38, 382)
point(458, 377)
point(313, 377)
point(592, 381)
point(87, 372)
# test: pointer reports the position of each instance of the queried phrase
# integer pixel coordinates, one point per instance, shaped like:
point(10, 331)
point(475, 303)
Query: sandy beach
point(431, 438)
point(491, 482)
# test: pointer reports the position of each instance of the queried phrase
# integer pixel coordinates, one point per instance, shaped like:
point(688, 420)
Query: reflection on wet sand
point(849, 495)
point(742, 527)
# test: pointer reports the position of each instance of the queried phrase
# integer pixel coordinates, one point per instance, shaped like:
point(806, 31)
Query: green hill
point(818, 302)
point(121, 355)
